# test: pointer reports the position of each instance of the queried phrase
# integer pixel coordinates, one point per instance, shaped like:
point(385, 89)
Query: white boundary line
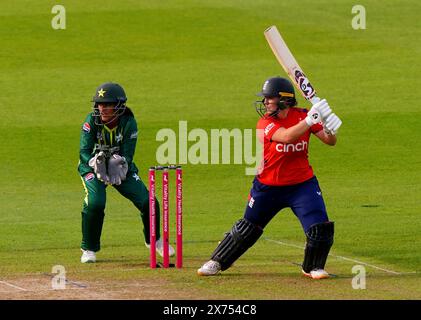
point(12, 285)
point(341, 257)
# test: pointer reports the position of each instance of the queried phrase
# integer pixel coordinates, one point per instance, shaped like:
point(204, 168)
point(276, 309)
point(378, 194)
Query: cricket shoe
point(316, 274)
point(88, 256)
point(159, 244)
point(210, 268)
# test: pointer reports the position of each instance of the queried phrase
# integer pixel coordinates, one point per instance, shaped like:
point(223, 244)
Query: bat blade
point(290, 65)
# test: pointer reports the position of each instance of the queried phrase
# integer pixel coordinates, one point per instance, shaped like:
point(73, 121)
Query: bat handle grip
point(314, 100)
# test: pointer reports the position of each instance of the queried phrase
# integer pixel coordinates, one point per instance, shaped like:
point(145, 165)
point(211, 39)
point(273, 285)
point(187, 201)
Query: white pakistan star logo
point(136, 177)
point(118, 137)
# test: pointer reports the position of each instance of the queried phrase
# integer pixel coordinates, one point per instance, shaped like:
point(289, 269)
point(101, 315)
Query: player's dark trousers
point(305, 200)
point(94, 205)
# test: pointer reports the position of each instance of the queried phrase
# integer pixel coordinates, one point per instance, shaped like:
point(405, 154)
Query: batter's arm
point(291, 134)
point(326, 138)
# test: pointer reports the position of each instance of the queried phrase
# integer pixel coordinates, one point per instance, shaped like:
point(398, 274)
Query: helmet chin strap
point(281, 106)
point(110, 121)
point(275, 113)
point(262, 109)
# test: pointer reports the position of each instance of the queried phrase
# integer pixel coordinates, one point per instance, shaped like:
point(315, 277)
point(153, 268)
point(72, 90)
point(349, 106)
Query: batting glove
point(313, 116)
point(332, 124)
point(323, 108)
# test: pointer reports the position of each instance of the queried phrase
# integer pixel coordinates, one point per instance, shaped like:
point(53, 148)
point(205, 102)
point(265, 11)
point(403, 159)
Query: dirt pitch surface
point(39, 287)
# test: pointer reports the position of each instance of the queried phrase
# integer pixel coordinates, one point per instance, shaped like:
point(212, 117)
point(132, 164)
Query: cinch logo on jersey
point(86, 127)
point(89, 176)
point(291, 147)
point(268, 128)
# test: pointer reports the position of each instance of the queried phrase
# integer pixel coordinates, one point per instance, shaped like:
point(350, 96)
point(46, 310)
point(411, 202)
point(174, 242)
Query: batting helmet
point(277, 87)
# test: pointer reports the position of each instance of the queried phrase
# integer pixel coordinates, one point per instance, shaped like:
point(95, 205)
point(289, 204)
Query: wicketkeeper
point(107, 146)
point(286, 180)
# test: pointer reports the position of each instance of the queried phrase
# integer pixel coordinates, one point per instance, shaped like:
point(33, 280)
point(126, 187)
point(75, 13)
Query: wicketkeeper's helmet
point(276, 87)
point(109, 92)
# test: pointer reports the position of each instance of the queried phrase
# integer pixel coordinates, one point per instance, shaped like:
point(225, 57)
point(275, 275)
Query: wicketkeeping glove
point(332, 124)
point(98, 163)
point(117, 169)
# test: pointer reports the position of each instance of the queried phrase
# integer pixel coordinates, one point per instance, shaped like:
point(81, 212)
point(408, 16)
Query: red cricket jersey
point(285, 164)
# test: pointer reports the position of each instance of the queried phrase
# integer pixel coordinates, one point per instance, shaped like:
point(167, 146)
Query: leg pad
point(319, 242)
point(236, 242)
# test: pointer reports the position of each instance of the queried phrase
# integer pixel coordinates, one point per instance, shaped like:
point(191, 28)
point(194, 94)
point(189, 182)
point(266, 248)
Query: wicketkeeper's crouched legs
point(242, 236)
point(144, 215)
point(92, 213)
point(135, 190)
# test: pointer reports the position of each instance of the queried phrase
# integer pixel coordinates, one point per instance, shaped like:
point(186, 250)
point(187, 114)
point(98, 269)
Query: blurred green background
point(203, 62)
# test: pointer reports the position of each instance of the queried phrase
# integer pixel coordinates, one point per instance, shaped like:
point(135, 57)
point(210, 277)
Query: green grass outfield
point(203, 61)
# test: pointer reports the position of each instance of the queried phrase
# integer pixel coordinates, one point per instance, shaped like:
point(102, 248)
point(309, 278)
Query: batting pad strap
point(236, 242)
point(319, 242)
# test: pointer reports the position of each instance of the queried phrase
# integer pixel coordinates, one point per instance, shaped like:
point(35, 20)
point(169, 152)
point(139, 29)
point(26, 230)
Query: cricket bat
point(290, 65)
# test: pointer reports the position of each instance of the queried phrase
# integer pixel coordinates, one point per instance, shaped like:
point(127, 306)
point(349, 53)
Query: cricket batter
point(107, 146)
point(285, 180)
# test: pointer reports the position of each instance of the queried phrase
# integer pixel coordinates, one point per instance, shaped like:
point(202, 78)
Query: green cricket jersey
point(121, 139)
